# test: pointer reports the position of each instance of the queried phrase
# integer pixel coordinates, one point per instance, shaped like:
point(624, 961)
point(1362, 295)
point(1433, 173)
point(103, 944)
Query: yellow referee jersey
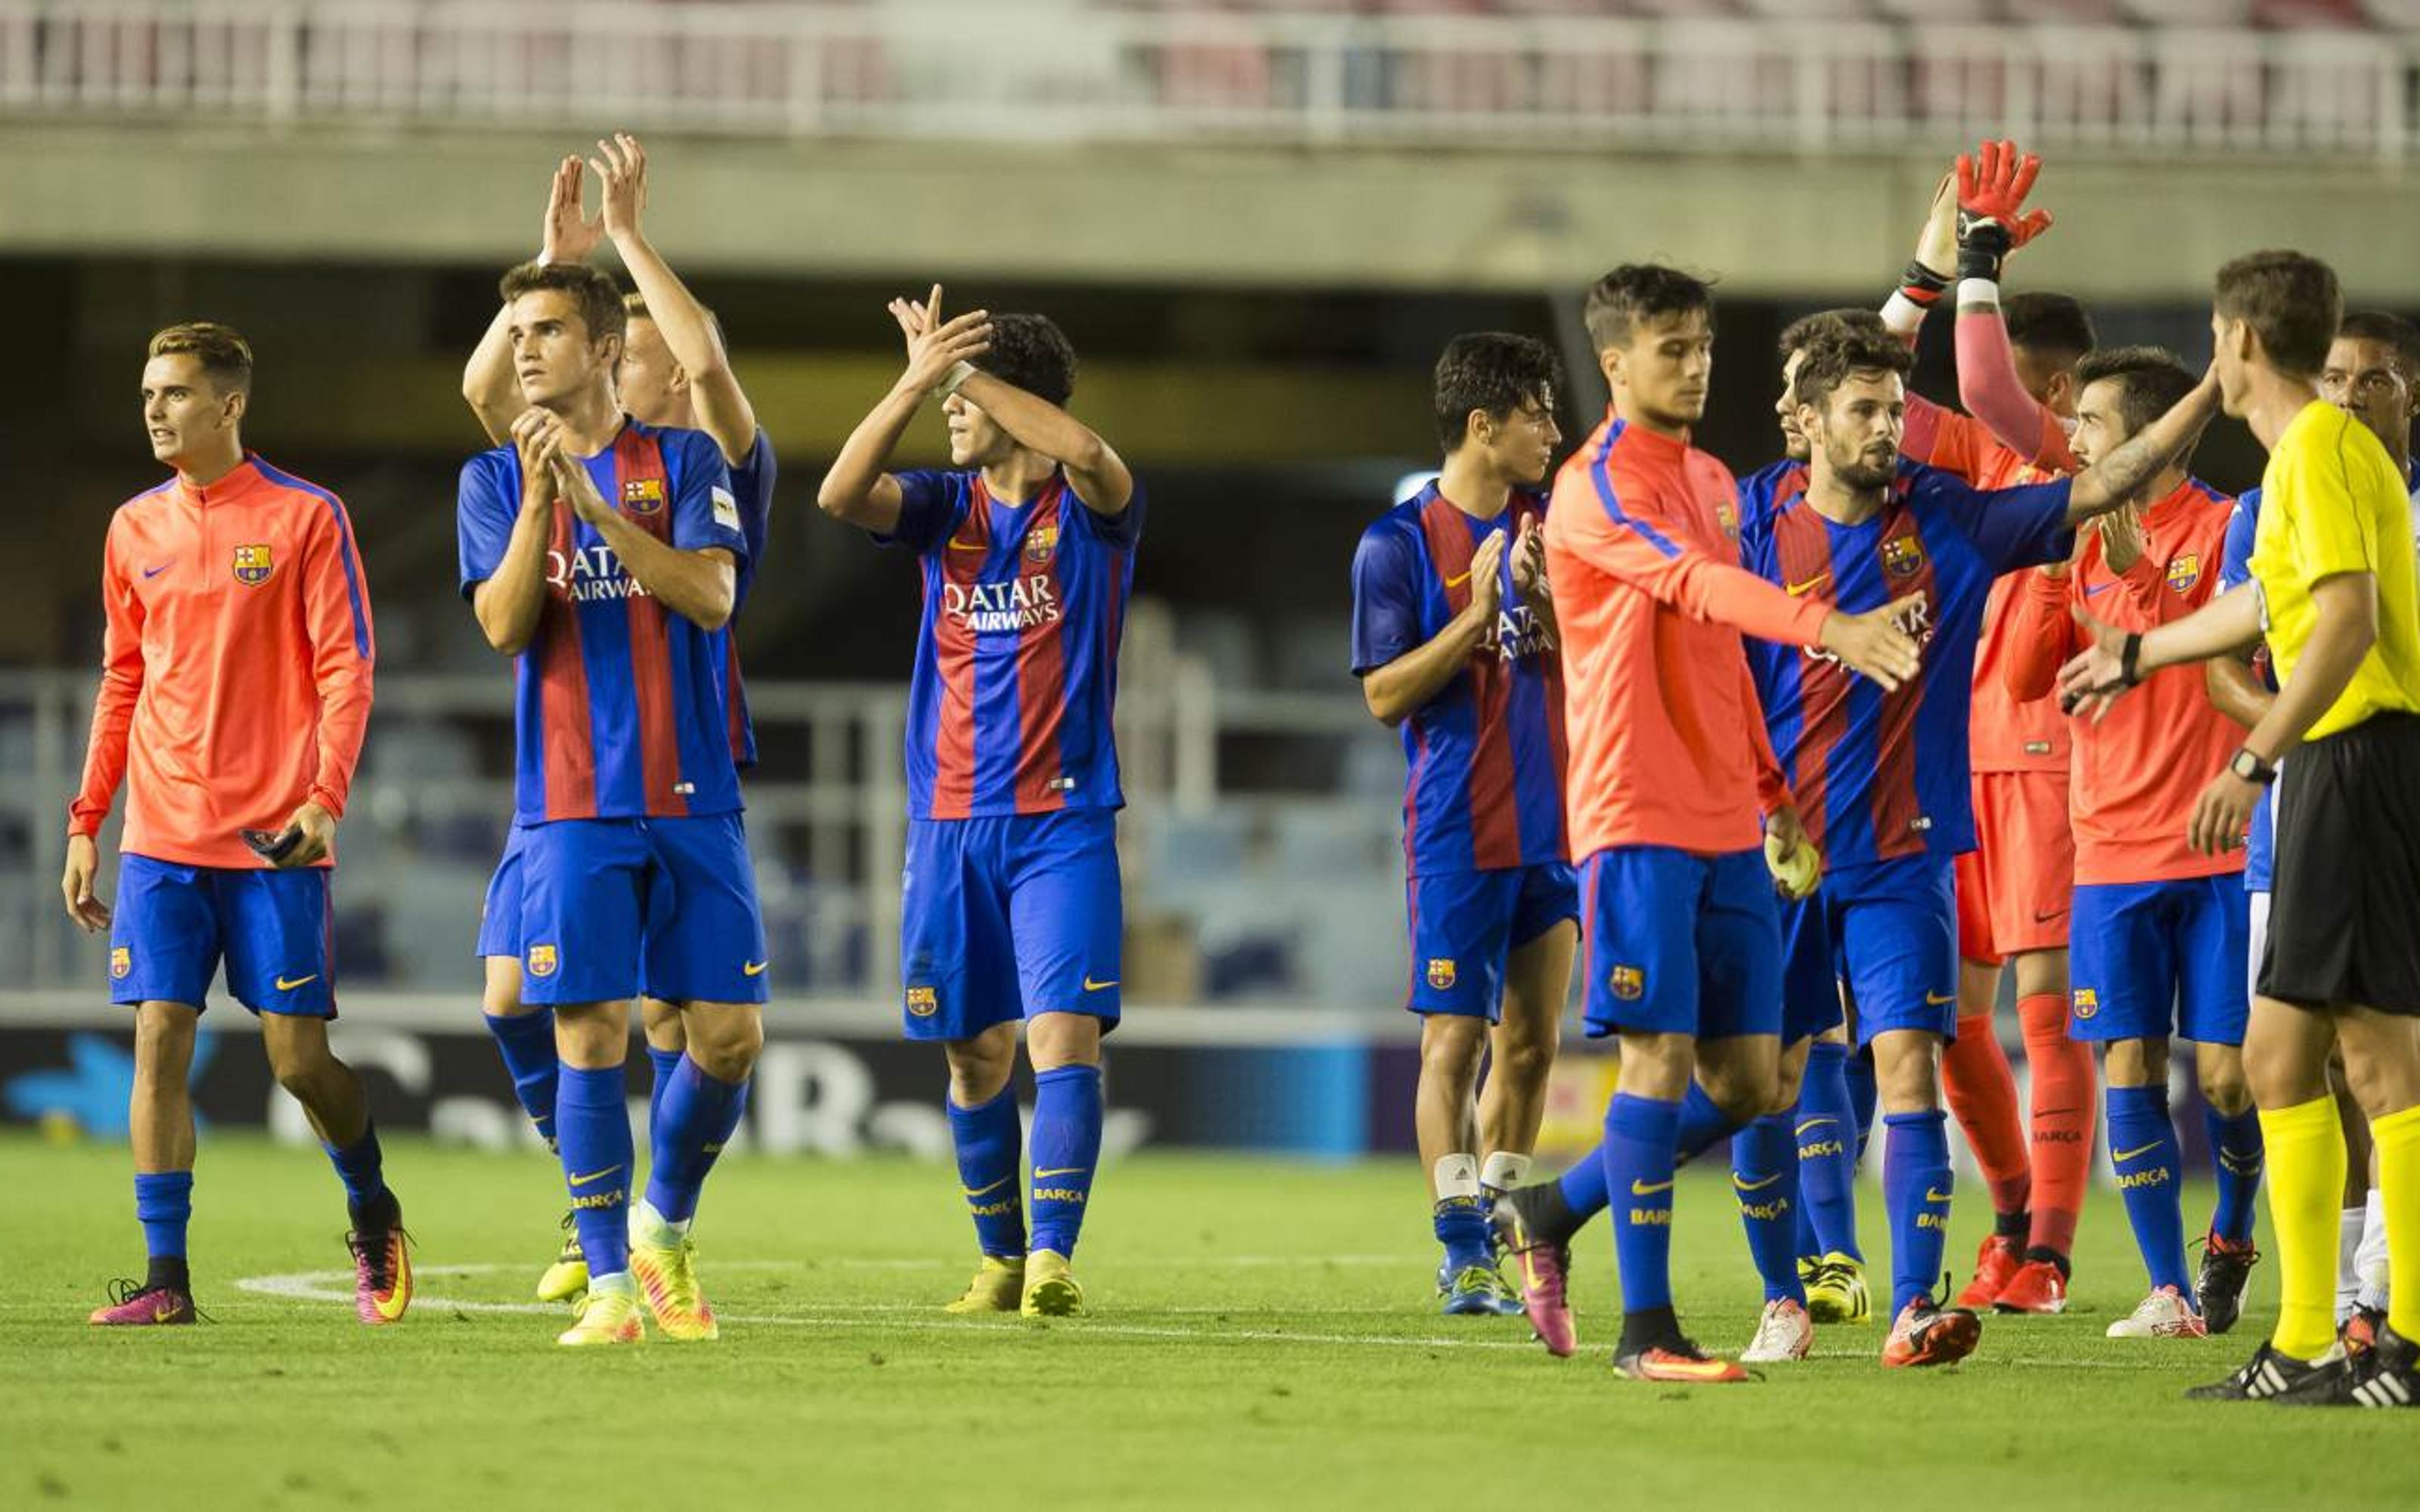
point(2331, 502)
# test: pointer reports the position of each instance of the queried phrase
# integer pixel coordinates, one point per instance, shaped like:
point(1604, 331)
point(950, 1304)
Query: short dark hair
point(2049, 325)
point(1030, 353)
point(1842, 349)
point(1804, 331)
point(226, 357)
point(593, 292)
point(2389, 331)
point(2150, 382)
point(1493, 371)
point(1641, 291)
point(2291, 301)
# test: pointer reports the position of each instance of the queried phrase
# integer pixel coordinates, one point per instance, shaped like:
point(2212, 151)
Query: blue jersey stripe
point(1601, 473)
point(344, 549)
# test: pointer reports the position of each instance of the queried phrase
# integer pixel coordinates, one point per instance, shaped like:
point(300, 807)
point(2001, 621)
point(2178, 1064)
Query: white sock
point(1457, 1176)
point(652, 1229)
point(1504, 1171)
point(2371, 1262)
point(2348, 1230)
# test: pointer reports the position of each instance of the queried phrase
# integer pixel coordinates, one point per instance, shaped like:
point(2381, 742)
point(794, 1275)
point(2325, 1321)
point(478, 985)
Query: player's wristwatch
point(2247, 765)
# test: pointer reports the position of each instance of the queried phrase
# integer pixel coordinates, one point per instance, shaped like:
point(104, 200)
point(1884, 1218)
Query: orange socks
point(1982, 1093)
point(2063, 1104)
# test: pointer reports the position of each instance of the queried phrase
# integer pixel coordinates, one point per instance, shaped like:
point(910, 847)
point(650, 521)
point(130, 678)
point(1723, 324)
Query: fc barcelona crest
point(2184, 572)
point(1441, 973)
point(1726, 515)
point(924, 1002)
point(643, 496)
point(121, 960)
point(2088, 1002)
point(1040, 542)
point(542, 961)
point(1629, 983)
point(253, 565)
point(1902, 556)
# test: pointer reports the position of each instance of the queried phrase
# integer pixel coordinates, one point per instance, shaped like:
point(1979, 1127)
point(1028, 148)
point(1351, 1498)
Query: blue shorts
point(614, 908)
point(2151, 959)
point(1466, 926)
point(173, 923)
point(1887, 931)
point(499, 915)
point(1679, 943)
point(1008, 918)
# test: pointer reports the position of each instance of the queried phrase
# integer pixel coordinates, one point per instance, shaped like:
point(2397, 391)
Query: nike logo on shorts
point(1939, 999)
point(287, 984)
point(1092, 987)
point(754, 968)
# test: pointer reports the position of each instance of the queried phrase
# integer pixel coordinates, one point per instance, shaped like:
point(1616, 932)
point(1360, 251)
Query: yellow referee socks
point(2306, 1177)
point(2397, 1137)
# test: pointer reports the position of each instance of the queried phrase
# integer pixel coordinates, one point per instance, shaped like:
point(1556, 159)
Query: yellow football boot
point(998, 1285)
point(1049, 1290)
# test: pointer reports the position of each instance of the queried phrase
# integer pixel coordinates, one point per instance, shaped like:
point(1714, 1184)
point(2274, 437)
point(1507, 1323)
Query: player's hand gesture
point(315, 829)
point(2093, 678)
point(1487, 588)
point(83, 865)
point(537, 441)
point(1872, 643)
point(2121, 537)
point(936, 347)
point(563, 235)
point(1529, 561)
point(622, 171)
point(576, 487)
point(1936, 246)
point(1992, 221)
point(2222, 814)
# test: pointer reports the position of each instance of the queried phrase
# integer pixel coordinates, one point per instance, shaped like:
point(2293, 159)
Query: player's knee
point(2224, 1083)
point(2136, 1063)
point(1743, 1092)
point(726, 1042)
point(980, 1066)
point(165, 1033)
point(1524, 1059)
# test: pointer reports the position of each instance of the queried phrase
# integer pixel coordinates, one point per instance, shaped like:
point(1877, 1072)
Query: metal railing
point(1066, 70)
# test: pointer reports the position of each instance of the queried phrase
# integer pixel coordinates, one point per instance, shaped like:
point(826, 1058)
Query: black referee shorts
point(2344, 921)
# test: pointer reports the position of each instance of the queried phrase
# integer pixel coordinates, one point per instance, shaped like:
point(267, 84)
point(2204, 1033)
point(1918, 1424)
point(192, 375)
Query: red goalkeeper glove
point(1992, 220)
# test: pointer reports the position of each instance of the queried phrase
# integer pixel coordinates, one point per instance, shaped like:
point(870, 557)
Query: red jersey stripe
point(1042, 675)
point(961, 563)
point(1894, 807)
point(1804, 547)
point(563, 698)
point(637, 457)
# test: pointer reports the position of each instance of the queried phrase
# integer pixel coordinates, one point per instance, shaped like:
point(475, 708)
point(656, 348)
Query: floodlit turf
point(1263, 1335)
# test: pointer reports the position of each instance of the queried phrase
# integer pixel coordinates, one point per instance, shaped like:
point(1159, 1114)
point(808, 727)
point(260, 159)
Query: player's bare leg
point(1065, 1050)
point(593, 1136)
point(159, 1123)
point(338, 1106)
point(1916, 1188)
point(1981, 1089)
point(696, 1108)
point(1451, 1046)
point(1537, 980)
point(980, 1067)
point(2227, 1253)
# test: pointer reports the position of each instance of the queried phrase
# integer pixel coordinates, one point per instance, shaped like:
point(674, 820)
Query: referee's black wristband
point(2129, 670)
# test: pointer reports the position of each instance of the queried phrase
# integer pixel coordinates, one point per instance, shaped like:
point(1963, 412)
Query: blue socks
point(1827, 1151)
point(1915, 1193)
point(2234, 1150)
point(1583, 1186)
point(1703, 1125)
point(593, 1134)
point(1859, 1072)
point(694, 1115)
point(665, 1063)
point(164, 1205)
point(1641, 1145)
point(2143, 1147)
point(991, 1157)
point(1461, 1225)
point(1066, 1147)
point(1764, 1175)
point(361, 1167)
point(527, 1043)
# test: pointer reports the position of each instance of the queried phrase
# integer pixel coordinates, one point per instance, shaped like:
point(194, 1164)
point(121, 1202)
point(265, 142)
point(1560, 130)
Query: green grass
point(1262, 1335)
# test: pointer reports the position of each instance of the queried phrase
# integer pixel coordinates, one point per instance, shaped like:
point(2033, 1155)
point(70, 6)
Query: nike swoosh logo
point(285, 986)
point(1796, 589)
point(1456, 582)
point(1064, 1170)
point(595, 1176)
point(1813, 1123)
point(2119, 1156)
point(979, 1191)
point(1930, 1195)
point(2040, 917)
point(970, 545)
point(2099, 588)
point(1939, 999)
point(1642, 1189)
point(1754, 1186)
point(1092, 987)
point(754, 968)
point(149, 573)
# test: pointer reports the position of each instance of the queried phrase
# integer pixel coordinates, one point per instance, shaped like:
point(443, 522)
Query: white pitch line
point(334, 1287)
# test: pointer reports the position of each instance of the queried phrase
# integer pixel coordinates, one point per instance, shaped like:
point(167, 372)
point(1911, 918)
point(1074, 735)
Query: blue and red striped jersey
point(620, 705)
point(1010, 710)
point(1880, 775)
point(1484, 789)
point(752, 489)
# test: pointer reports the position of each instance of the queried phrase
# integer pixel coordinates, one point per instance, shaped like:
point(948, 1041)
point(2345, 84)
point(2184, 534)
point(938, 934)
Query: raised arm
point(857, 492)
point(1992, 221)
point(2121, 474)
point(489, 385)
point(723, 412)
point(105, 751)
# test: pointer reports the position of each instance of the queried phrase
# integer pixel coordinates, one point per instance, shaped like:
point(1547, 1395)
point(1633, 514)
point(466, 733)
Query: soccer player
point(1011, 908)
point(2373, 374)
point(1880, 775)
point(2333, 591)
point(235, 691)
point(2160, 929)
point(1453, 639)
point(674, 373)
point(1668, 771)
point(600, 553)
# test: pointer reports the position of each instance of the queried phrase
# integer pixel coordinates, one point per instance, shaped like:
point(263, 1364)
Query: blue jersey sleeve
point(930, 504)
point(485, 503)
point(706, 512)
point(1123, 530)
point(1386, 598)
point(2243, 525)
point(2010, 528)
point(751, 482)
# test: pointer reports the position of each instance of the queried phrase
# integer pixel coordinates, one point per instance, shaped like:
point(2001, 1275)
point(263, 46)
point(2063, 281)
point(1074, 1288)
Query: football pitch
point(1261, 1335)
